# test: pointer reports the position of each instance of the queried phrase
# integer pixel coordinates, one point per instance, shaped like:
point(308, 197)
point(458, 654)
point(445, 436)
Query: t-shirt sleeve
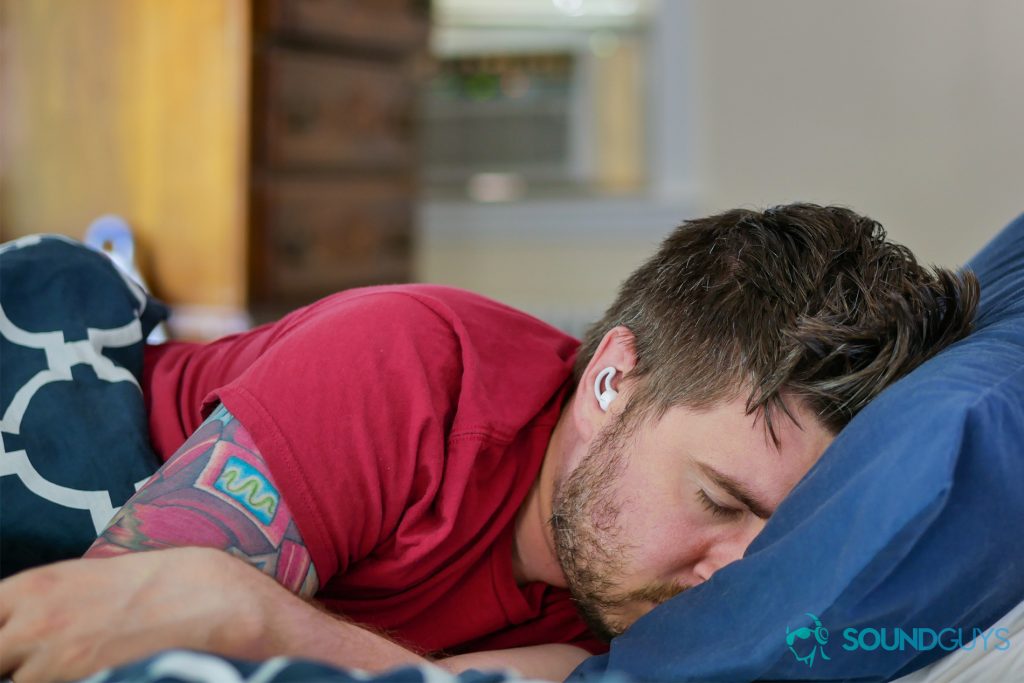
point(350, 406)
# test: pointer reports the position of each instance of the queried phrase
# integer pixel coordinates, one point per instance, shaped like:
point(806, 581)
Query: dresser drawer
point(332, 112)
point(322, 236)
point(384, 26)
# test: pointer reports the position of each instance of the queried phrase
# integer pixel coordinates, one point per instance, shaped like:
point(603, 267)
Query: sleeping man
point(438, 477)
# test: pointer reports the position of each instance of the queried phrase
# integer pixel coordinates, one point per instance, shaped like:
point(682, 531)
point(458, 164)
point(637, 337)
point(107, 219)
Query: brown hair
point(803, 299)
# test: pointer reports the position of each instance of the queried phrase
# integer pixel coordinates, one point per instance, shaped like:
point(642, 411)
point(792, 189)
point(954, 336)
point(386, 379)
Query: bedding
point(184, 666)
point(75, 441)
point(979, 663)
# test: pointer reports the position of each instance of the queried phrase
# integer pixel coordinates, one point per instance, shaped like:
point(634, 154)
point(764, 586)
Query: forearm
point(287, 625)
point(302, 629)
point(255, 618)
point(298, 628)
point(263, 620)
point(191, 598)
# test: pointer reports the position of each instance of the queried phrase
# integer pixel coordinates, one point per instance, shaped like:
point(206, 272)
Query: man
point(457, 478)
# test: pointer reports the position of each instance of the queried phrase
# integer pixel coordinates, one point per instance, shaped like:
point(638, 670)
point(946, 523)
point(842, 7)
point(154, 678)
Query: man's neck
point(533, 547)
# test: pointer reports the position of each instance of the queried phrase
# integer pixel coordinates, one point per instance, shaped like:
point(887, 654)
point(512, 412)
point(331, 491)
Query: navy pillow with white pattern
point(75, 440)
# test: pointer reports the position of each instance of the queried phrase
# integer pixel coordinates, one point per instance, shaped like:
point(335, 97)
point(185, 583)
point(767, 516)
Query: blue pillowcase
point(901, 544)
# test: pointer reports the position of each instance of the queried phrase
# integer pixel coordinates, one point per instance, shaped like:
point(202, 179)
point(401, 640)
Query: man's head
point(741, 348)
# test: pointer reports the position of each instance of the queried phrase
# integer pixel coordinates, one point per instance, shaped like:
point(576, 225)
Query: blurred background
point(269, 152)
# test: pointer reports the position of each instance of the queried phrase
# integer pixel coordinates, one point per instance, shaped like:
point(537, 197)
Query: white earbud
point(605, 395)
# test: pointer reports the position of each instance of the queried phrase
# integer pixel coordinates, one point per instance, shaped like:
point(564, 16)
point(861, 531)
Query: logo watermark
point(808, 640)
point(925, 639)
point(807, 643)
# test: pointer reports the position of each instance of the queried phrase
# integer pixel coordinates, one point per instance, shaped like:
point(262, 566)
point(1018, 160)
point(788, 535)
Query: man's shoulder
point(416, 309)
point(480, 365)
point(444, 300)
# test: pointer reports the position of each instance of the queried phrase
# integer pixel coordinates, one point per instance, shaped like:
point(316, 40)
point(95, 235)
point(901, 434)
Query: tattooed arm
point(215, 491)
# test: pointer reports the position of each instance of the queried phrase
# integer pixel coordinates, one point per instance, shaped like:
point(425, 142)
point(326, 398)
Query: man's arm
point(68, 620)
point(215, 491)
point(71, 619)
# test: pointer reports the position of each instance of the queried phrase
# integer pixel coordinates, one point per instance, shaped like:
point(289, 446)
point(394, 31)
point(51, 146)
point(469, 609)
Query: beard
point(589, 542)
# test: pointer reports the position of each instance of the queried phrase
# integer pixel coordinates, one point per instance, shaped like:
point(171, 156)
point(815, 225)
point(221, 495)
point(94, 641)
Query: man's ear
point(616, 350)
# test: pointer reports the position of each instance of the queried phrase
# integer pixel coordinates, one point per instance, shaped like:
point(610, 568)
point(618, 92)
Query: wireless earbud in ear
point(605, 395)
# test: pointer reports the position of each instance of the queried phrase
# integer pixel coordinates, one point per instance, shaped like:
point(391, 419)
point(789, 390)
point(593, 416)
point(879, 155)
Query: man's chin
point(611, 622)
point(599, 619)
point(628, 614)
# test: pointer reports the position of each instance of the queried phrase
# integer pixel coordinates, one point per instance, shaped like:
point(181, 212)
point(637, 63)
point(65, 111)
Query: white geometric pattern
point(61, 356)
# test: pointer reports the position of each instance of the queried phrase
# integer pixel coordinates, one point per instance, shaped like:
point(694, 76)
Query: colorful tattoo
point(215, 491)
point(250, 488)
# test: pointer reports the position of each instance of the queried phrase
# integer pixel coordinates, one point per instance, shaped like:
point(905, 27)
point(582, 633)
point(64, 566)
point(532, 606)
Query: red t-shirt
point(404, 426)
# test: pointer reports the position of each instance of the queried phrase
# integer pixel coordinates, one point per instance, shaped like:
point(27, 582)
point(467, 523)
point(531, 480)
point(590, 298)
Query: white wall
point(911, 111)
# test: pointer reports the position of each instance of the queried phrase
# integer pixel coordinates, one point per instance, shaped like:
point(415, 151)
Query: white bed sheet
point(978, 665)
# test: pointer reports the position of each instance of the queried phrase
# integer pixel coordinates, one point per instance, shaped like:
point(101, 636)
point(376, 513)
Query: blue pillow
point(902, 543)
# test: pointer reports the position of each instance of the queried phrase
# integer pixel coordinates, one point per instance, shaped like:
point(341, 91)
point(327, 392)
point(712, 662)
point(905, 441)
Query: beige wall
point(568, 285)
point(909, 111)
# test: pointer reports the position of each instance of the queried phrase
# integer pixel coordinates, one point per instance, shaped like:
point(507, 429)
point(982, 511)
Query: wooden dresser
point(261, 150)
point(334, 86)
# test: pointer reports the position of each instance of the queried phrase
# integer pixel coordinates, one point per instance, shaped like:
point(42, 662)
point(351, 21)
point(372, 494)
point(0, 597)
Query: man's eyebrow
point(737, 490)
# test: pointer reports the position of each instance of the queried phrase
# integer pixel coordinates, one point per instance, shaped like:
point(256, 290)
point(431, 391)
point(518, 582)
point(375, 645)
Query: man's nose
point(727, 547)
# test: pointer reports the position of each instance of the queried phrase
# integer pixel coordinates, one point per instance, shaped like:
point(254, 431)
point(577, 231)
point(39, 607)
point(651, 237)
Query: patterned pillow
point(187, 666)
point(75, 440)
